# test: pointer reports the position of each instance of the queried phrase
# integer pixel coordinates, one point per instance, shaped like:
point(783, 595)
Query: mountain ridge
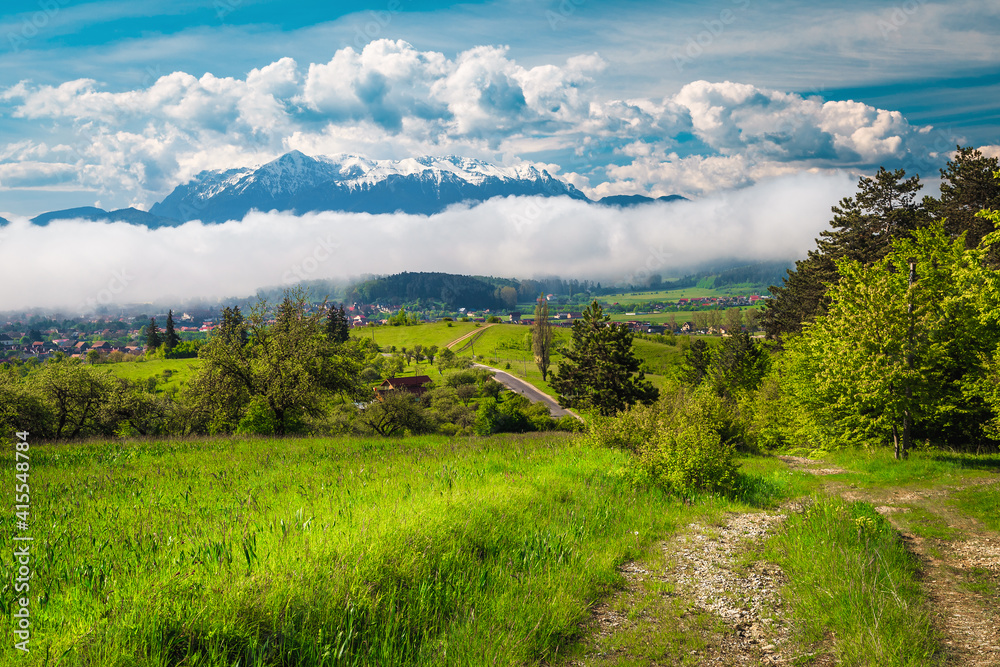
point(299, 184)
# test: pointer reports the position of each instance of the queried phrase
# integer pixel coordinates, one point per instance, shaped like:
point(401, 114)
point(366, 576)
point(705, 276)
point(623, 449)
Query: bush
point(630, 430)
point(680, 443)
point(258, 420)
point(691, 460)
point(568, 423)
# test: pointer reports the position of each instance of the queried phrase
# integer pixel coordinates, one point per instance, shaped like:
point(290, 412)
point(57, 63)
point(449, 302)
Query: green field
point(447, 551)
point(437, 333)
point(679, 316)
point(325, 551)
point(501, 344)
point(675, 294)
point(170, 373)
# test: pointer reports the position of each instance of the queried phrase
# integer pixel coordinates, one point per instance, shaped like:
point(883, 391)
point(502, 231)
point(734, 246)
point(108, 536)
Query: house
point(101, 345)
point(515, 318)
point(687, 327)
point(414, 385)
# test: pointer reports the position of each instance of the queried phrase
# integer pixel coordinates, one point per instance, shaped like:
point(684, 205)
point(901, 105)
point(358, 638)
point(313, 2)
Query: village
point(112, 338)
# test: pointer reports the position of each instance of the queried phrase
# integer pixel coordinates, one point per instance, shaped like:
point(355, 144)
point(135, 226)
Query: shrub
point(568, 423)
point(690, 460)
point(680, 443)
point(630, 430)
point(258, 420)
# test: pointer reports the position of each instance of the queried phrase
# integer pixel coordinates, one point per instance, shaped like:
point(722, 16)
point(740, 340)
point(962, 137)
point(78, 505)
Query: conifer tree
point(967, 187)
point(862, 230)
point(170, 336)
point(601, 371)
point(153, 337)
point(337, 328)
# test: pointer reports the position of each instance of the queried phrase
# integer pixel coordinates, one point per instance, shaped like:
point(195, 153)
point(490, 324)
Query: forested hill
point(455, 291)
point(763, 273)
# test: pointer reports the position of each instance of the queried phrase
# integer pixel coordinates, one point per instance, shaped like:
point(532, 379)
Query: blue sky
point(113, 103)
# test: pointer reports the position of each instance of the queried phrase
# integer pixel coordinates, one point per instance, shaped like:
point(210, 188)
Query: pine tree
point(863, 228)
point(337, 328)
point(967, 187)
point(153, 337)
point(601, 371)
point(170, 336)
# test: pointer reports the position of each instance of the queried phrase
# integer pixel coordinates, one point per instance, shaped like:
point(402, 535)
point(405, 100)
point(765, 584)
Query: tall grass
point(923, 467)
point(982, 502)
point(851, 580)
point(324, 551)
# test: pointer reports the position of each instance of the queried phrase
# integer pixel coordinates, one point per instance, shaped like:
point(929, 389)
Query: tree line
point(291, 369)
point(886, 334)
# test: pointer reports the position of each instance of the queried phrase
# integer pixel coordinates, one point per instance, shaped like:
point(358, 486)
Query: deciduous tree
point(899, 348)
point(541, 337)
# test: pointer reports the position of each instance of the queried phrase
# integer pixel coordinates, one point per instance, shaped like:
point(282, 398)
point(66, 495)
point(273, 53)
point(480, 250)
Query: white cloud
point(518, 237)
point(391, 100)
point(737, 118)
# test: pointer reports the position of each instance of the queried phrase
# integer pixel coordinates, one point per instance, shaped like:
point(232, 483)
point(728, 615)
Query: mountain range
point(298, 183)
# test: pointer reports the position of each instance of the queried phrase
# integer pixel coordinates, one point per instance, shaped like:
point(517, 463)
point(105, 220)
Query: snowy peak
point(300, 183)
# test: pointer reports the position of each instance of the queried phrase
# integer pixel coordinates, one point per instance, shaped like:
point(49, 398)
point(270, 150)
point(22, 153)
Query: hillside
point(450, 290)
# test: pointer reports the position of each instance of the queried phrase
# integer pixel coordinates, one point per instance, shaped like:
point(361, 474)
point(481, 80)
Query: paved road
point(529, 391)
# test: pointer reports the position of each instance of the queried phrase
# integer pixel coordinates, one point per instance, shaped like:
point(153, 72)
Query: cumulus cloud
point(85, 264)
point(388, 97)
point(391, 100)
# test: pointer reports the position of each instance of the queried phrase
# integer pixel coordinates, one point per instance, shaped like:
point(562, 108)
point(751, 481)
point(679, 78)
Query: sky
point(112, 104)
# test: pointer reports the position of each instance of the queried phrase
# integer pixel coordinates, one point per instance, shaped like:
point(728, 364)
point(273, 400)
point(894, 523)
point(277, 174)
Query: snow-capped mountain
point(299, 183)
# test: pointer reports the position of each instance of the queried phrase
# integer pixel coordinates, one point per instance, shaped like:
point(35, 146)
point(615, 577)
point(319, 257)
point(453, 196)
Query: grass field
point(680, 316)
point(502, 344)
point(675, 294)
point(430, 550)
point(509, 343)
point(437, 333)
point(170, 373)
point(325, 551)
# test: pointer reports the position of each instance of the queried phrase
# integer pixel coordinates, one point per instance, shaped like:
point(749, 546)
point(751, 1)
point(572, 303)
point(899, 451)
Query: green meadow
point(436, 333)
point(170, 374)
point(427, 550)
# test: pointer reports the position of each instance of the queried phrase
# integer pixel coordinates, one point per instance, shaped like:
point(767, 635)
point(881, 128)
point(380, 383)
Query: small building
point(415, 385)
point(515, 318)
